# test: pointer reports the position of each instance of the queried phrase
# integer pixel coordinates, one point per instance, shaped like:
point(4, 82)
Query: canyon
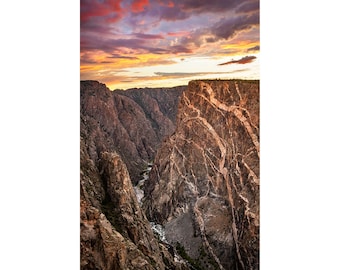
point(170, 176)
point(132, 122)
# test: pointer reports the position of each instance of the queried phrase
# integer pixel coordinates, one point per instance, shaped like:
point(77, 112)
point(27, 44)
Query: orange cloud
point(94, 62)
point(238, 47)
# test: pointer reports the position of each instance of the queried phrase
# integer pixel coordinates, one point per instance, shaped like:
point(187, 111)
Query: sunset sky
point(160, 43)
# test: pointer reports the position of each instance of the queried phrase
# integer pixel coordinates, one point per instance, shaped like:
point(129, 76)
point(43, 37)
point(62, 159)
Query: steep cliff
point(116, 235)
point(204, 185)
point(114, 232)
point(133, 122)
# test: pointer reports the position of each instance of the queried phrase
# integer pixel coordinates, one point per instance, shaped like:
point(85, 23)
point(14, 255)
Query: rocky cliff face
point(115, 233)
point(204, 185)
point(133, 123)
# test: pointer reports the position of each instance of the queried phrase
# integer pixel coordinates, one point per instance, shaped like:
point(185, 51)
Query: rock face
point(133, 122)
point(204, 185)
point(114, 231)
point(116, 235)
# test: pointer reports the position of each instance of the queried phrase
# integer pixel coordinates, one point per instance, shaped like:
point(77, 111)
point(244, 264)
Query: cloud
point(109, 44)
point(228, 27)
point(243, 60)
point(96, 8)
point(178, 74)
point(126, 81)
point(192, 74)
point(97, 34)
point(200, 6)
point(173, 14)
point(118, 56)
point(142, 43)
point(177, 10)
point(139, 5)
point(186, 8)
point(248, 7)
point(225, 28)
point(254, 49)
point(176, 49)
point(178, 33)
point(148, 36)
point(154, 62)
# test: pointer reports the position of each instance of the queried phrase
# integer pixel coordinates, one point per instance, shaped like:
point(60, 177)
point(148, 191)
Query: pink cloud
point(139, 5)
point(178, 34)
point(90, 9)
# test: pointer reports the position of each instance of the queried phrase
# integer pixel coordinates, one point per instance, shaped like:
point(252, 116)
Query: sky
point(164, 43)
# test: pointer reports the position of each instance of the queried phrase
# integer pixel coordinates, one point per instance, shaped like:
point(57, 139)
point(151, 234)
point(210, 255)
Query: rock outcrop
point(116, 235)
point(114, 232)
point(204, 185)
point(133, 122)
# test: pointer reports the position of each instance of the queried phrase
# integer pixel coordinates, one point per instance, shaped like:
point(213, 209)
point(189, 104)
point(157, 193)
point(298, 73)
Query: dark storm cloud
point(244, 60)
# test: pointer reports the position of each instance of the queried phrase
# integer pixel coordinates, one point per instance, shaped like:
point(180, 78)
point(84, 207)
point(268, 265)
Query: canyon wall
point(204, 185)
point(114, 231)
point(133, 122)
